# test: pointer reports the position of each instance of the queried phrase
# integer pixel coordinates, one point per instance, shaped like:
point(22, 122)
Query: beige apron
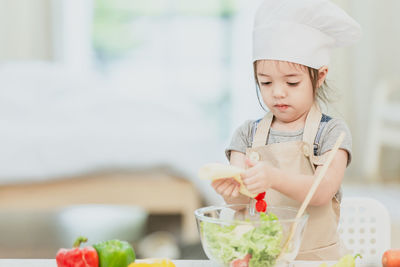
point(321, 240)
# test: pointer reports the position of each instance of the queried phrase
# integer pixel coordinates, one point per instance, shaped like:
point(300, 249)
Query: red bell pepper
point(77, 257)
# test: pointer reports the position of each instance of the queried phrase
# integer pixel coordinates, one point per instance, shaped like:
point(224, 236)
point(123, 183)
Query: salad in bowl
point(234, 235)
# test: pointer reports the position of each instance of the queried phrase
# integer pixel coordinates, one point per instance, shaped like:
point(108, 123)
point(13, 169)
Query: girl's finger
point(233, 181)
point(221, 188)
point(249, 180)
point(216, 183)
point(245, 176)
point(228, 191)
point(253, 187)
point(249, 172)
point(235, 192)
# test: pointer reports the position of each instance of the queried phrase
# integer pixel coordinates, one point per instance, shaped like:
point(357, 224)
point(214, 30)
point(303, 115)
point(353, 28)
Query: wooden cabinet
point(158, 191)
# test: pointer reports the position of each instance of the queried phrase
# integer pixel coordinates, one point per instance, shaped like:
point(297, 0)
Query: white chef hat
point(301, 31)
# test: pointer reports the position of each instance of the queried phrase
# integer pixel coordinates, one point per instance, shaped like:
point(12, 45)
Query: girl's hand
point(226, 187)
point(229, 189)
point(258, 177)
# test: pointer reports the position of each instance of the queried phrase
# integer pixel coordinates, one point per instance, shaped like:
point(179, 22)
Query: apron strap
point(312, 124)
point(260, 138)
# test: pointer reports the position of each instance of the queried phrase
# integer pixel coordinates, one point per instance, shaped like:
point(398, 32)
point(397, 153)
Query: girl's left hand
point(258, 177)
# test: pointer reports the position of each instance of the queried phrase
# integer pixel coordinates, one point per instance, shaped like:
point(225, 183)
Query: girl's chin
point(285, 117)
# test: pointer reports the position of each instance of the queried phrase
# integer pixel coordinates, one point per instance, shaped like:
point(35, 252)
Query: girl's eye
point(265, 83)
point(293, 84)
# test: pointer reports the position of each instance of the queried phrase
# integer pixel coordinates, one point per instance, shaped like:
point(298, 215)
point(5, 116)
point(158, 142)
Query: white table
point(178, 263)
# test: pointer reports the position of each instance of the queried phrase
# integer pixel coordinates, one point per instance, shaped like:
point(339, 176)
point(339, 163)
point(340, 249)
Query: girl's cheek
point(266, 102)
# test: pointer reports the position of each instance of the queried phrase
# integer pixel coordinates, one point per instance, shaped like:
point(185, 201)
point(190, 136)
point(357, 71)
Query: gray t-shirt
point(328, 133)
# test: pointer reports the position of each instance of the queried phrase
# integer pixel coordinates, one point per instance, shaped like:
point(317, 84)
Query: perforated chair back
point(365, 228)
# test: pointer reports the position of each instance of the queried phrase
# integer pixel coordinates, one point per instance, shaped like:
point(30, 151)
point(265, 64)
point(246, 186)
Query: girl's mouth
point(281, 107)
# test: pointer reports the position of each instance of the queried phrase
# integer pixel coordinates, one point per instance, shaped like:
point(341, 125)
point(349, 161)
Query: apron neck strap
point(312, 124)
point(310, 129)
point(261, 135)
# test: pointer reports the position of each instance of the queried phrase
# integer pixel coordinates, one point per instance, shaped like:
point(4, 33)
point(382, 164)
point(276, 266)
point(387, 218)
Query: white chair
point(383, 127)
point(365, 228)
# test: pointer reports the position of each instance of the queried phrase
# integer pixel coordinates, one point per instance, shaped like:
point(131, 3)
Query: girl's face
point(286, 89)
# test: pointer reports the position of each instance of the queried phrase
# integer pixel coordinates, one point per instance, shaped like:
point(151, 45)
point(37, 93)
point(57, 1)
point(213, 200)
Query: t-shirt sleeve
point(331, 133)
point(241, 139)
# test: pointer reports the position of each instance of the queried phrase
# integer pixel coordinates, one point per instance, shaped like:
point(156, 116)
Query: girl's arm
point(229, 188)
point(296, 186)
point(238, 159)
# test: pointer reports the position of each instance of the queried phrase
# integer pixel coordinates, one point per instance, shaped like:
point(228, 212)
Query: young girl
point(284, 151)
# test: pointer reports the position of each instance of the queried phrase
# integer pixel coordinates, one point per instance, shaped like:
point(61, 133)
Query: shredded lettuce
point(229, 242)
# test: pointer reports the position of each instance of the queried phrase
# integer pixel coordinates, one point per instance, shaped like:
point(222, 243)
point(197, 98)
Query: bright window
point(175, 49)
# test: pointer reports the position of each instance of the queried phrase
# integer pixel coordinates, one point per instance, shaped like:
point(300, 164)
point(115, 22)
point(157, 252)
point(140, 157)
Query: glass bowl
point(233, 235)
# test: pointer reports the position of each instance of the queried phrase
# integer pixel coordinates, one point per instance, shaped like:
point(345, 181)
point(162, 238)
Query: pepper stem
point(358, 255)
point(79, 240)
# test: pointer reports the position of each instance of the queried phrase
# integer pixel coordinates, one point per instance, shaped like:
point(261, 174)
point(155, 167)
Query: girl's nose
point(278, 92)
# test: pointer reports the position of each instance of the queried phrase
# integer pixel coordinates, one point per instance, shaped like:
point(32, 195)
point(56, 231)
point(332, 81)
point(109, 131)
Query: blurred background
point(108, 108)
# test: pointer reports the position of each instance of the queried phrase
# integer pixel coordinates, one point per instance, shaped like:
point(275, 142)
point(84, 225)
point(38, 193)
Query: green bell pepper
point(114, 253)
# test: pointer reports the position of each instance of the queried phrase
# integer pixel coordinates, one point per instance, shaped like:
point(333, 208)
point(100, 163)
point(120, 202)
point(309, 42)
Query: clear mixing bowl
point(233, 235)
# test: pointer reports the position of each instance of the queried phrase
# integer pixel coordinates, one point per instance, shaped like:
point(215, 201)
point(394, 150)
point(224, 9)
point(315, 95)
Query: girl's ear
point(322, 73)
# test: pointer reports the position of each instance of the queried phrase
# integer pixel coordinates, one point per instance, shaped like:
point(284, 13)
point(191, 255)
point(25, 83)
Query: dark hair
point(319, 92)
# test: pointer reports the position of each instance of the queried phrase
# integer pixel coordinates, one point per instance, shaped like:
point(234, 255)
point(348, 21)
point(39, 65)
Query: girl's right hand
point(228, 188)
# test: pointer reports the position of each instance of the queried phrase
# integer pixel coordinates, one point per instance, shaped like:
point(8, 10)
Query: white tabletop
point(178, 263)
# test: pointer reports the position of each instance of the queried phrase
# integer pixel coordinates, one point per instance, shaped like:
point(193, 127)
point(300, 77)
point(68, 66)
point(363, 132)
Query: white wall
point(25, 30)
point(356, 71)
point(375, 58)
